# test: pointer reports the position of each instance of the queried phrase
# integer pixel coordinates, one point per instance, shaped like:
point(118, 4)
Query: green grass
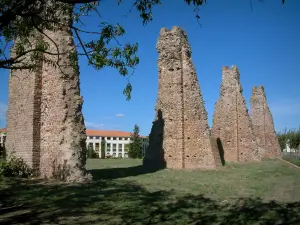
point(292, 160)
point(126, 193)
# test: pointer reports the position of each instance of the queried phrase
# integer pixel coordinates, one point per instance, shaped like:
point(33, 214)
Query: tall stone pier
point(24, 115)
point(263, 124)
point(180, 135)
point(45, 125)
point(232, 125)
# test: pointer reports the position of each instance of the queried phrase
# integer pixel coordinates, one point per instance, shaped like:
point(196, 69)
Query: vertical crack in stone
point(263, 124)
point(232, 126)
point(180, 136)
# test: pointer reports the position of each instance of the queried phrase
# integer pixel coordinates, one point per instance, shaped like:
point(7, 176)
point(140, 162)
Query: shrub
point(15, 167)
point(2, 152)
point(92, 154)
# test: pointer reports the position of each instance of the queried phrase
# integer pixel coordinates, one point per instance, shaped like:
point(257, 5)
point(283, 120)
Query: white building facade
point(2, 136)
point(115, 143)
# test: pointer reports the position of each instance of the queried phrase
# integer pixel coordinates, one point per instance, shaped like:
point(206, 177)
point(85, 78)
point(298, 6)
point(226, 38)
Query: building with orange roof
point(116, 142)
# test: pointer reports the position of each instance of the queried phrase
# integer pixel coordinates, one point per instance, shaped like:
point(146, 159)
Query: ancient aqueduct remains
point(46, 128)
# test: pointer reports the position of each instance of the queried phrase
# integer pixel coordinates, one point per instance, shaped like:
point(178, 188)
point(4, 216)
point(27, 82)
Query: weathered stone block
point(23, 115)
point(45, 125)
point(180, 136)
point(232, 125)
point(263, 124)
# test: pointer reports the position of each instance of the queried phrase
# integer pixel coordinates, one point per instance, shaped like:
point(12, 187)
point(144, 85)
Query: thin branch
point(96, 10)
point(77, 1)
point(14, 60)
point(80, 41)
point(57, 49)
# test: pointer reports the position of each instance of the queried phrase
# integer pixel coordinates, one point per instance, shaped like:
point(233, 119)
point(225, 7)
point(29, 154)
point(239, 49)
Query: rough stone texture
point(45, 123)
point(263, 124)
point(23, 115)
point(232, 125)
point(180, 136)
point(63, 148)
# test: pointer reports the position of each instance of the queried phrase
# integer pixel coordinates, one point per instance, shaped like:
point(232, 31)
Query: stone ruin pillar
point(232, 125)
point(45, 123)
point(180, 135)
point(263, 124)
point(23, 115)
point(63, 149)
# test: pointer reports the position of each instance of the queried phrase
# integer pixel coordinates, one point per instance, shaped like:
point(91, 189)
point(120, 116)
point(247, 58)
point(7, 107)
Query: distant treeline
point(292, 136)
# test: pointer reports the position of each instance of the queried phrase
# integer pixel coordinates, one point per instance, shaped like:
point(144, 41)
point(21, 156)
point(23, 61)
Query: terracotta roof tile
point(107, 133)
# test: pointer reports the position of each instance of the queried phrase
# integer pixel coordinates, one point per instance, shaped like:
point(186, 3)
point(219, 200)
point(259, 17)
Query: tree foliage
point(2, 152)
point(103, 149)
point(135, 146)
point(22, 19)
point(291, 137)
point(15, 167)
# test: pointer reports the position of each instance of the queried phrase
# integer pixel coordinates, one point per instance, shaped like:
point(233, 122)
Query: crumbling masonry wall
point(180, 136)
point(51, 117)
point(263, 124)
point(23, 115)
point(63, 148)
point(232, 125)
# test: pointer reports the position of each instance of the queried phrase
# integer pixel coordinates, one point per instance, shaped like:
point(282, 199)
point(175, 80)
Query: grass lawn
point(125, 193)
point(292, 160)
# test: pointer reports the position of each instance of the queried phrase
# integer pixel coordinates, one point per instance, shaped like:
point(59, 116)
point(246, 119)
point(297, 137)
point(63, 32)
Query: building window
point(90, 146)
point(97, 137)
point(91, 137)
point(97, 147)
point(126, 139)
point(120, 148)
point(120, 155)
point(114, 147)
point(114, 138)
point(108, 148)
point(108, 138)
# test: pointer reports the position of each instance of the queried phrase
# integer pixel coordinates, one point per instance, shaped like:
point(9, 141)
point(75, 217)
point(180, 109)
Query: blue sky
point(263, 43)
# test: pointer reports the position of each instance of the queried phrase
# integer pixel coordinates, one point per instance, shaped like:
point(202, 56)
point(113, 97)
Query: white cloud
point(3, 110)
point(91, 125)
point(120, 115)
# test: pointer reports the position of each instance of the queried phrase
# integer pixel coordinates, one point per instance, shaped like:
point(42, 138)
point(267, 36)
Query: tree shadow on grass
point(124, 202)
point(114, 173)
